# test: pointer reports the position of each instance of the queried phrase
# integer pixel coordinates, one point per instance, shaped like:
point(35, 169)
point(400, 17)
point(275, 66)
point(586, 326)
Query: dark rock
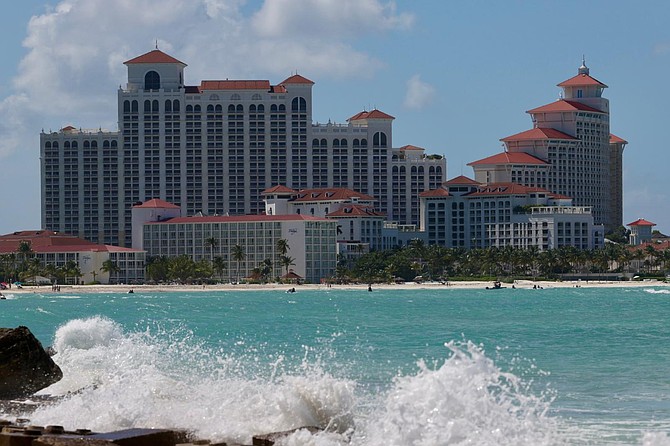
point(271, 439)
point(25, 367)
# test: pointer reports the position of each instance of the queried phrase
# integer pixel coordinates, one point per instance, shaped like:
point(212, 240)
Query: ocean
point(557, 366)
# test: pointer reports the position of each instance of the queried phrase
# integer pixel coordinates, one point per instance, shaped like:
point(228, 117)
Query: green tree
point(238, 255)
point(286, 262)
point(158, 269)
point(219, 265)
point(181, 268)
point(212, 243)
point(110, 267)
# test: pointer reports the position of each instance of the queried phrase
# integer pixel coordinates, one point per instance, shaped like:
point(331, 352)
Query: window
point(152, 81)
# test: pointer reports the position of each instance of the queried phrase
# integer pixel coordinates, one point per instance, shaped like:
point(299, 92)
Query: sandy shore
point(519, 284)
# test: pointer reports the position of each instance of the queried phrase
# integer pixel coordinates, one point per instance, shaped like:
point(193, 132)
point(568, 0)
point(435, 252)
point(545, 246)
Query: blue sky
point(457, 75)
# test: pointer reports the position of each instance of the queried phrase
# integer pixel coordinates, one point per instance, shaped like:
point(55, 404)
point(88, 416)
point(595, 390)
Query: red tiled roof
point(279, 189)
point(157, 203)
point(297, 79)
point(505, 189)
point(356, 210)
point(658, 246)
point(461, 180)
point(69, 128)
point(331, 194)
point(154, 56)
point(615, 139)
point(235, 85)
point(49, 241)
point(238, 218)
point(581, 80)
point(439, 192)
point(509, 158)
point(373, 114)
point(537, 134)
point(564, 105)
point(641, 222)
point(560, 197)
point(278, 89)
point(411, 147)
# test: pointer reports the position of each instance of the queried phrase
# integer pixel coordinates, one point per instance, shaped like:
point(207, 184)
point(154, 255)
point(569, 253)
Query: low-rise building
point(311, 240)
point(55, 249)
point(464, 213)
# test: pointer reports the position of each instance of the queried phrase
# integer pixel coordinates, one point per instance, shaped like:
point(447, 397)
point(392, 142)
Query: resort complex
point(239, 165)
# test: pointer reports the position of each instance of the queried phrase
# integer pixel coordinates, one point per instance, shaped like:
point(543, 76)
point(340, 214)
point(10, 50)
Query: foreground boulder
point(25, 367)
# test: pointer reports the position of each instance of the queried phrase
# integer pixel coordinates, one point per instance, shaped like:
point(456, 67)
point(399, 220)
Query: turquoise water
point(443, 366)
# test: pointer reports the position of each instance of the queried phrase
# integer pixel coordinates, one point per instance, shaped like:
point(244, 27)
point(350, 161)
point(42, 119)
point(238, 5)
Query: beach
point(467, 285)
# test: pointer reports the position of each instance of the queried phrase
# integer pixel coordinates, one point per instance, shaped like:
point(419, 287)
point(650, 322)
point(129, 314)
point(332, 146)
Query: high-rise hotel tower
point(214, 148)
point(569, 151)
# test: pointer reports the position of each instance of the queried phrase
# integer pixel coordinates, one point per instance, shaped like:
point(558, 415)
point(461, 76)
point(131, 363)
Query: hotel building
point(312, 240)
point(213, 148)
point(569, 151)
point(464, 213)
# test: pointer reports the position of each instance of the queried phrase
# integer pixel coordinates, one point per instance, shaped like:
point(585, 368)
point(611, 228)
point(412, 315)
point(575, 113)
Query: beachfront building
point(640, 231)
point(569, 151)
point(464, 213)
point(214, 147)
point(359, 225)
point(311, 240)
point(96, 263)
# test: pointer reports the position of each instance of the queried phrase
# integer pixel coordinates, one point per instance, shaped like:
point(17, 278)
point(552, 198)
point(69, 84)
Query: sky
point(458, 75)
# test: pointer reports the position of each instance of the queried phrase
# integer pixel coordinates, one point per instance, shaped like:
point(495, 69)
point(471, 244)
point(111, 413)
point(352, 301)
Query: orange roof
point(279, 189)
point(439, 192)
point(581, 80)
point(564, 105)
point(356, 210)
point(560, 197)
point(297, 79)
point(331, 194)
point(615, 139)
point(461, 180)
point(238, 218)
point(537, 134)
point(157, 203)
point(509, 158)
point(373, 114)
point(49, 241)
point(505, 189)
point(641, 222)
point(411, 147)
point(154, 56)
point(235, 85)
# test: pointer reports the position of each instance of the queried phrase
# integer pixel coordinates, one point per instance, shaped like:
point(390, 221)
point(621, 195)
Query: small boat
point(496, 286)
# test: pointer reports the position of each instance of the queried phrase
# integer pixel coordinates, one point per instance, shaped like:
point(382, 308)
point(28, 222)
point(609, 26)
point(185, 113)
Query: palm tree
point(212, 243)
point(238, 255)
point(109, 266)
point(282, 246)
point(286, 262)
point(219, 265)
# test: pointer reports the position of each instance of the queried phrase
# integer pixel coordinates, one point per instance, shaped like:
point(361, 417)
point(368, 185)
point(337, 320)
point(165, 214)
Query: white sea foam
point(167, 379)
point(655, 291)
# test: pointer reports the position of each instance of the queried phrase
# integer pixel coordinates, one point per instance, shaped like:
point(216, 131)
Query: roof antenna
point(156, 43)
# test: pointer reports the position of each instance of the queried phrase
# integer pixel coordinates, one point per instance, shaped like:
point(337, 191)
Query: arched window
point(231, 108)
point(210, 108)
point(239, 109)
point(256, 97)
point(126, 106)
point(55, 145)
point(343, 142)
point(261, 108)
point(147, 106)
point(324, 143)
point(94, 144)
point(252, 108)
point(218, 108)
point(135, 107)
point(75, 145)
point(213, 97)
point(152, 81)
point(299, 105)
point(87, 144)
point(196, 109)
point(356, 143)
point(189, 109)
point(47, 145)
point(379, 139)
point(364, 142)
point(154, 106)
point(168, 106)
point(282, 108)
point(336, 142)
point(105, 144)
point(235, 97)
point(273, 108)
point(315, 142)
point(114, 145)
point(175, 106)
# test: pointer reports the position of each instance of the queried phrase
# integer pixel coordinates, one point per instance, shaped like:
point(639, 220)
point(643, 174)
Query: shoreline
point(518, 284)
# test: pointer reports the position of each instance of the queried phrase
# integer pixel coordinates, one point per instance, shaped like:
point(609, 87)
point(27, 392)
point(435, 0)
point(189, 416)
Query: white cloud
point(419, 94)
point(76, 50)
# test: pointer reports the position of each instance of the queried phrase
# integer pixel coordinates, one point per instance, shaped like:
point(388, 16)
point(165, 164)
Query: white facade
point(214, 148)
point(466, 214)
